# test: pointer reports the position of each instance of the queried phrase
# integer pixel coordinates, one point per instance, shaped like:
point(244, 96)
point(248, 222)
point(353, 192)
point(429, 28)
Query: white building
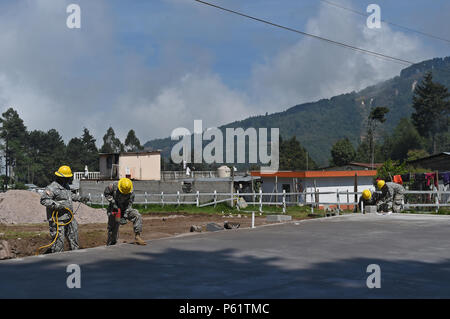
point(133, 165)
point(325, 181)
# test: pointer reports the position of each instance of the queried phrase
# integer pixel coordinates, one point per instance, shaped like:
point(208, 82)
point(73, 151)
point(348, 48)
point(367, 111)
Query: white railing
point(175, 175)
point(82, 175)
point(214, 198)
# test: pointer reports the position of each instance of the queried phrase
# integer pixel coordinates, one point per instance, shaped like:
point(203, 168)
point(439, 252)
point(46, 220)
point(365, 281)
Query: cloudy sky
point(154, 65)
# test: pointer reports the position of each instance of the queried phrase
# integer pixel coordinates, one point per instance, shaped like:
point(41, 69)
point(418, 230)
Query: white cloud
point(67, 79)
point(312, 69)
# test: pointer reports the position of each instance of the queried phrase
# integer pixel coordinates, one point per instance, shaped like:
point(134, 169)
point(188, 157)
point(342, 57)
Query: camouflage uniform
point(124, 202)
point(53, 195)
point(392, 195)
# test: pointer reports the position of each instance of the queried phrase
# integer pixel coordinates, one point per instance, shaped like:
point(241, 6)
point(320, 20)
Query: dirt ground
point(25, 239)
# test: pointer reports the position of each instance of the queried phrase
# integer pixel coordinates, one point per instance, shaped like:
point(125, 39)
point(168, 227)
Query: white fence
point(214, 198)
point(83, 175)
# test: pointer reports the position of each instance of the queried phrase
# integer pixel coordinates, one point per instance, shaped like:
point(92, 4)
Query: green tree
point(342, 152)
point(13, 133)
point(391, 168)
point(111, 144)
point(75, 154)
point(404, 138)
point(432, 109)
point(46, 152)
point(132, 143)
point(293, 156)
point(416, 154)
point(376, 117)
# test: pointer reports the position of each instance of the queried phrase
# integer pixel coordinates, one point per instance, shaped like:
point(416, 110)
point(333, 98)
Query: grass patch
point(222, 208)
point(441, 211)
point(11, 234)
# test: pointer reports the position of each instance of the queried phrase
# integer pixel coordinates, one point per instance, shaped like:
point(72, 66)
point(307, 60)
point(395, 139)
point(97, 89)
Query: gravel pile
point(24, 207)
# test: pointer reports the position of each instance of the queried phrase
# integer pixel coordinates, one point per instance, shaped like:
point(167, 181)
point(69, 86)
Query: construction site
point(222, 157)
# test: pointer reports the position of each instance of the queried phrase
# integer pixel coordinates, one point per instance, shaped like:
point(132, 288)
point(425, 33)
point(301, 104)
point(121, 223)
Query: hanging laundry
point(398, 179)
point(431, 177)
point(445, 178)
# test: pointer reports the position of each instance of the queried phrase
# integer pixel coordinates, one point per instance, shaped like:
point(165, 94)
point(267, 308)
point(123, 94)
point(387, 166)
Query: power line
point(385, 21)
point(341, 44)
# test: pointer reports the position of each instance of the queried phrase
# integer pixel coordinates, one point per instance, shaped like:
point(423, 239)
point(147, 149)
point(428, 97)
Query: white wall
point(329, 184)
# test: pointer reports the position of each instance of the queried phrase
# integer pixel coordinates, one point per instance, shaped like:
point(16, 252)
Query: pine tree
point(132, 143)
point(13, 134)
point(111, 144)
point(293, 156)
point(342, 152)
point(432, 109)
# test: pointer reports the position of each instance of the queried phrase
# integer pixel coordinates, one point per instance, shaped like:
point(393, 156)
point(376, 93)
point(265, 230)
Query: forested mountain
point(318, 125)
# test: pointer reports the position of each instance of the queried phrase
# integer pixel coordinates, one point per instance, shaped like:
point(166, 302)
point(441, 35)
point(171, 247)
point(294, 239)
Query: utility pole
point(232, 186)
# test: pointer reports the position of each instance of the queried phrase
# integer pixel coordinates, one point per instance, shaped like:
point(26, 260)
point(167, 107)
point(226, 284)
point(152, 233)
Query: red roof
point(317, 174)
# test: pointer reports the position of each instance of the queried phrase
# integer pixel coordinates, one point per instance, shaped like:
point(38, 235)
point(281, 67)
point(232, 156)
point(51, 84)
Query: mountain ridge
point(318, 125)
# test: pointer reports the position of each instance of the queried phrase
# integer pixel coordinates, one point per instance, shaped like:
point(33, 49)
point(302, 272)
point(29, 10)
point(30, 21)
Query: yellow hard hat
point(125, 186)
point(64, 171)
point(380, 184)
point(366, 194)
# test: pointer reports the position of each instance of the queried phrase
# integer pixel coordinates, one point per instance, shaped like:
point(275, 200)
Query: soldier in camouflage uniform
point(57, 197)
point(391, 198)
point(370, 199)
point(120, 195)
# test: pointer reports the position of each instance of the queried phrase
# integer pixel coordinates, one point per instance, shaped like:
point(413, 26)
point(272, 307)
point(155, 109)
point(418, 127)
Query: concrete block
point(278, 218)
point(213, 227)
point(370, 209)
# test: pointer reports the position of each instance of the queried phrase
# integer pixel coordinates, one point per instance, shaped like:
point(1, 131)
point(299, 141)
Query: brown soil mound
point(24, 207)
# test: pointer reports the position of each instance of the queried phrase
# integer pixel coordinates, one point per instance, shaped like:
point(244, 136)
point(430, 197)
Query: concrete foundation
point(278, 218)
point(370, 209)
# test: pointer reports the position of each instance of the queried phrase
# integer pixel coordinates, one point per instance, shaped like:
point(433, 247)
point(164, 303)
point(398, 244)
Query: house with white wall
point(133, 165)
point(322, 181)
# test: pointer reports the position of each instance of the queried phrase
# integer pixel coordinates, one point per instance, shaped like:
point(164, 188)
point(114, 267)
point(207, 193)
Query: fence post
point(178, 198)
point(102, 199)
point(348, 200)
point(162, 199)
point(437, 199)
point(215, 198)
point(284, 201)
point(197, 198)
point(338, 200)
point(145, 198)
point(90, 198)
point(260, 200)
point(237, 200)
point(253, 219)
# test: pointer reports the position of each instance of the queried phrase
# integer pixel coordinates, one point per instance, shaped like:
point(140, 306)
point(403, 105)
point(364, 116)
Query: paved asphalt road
point(321, 258)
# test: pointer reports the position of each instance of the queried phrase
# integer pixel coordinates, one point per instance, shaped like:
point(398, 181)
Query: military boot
point(138, 240)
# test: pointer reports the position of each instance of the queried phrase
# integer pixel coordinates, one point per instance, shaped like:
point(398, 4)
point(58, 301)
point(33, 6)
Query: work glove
point(58, 207)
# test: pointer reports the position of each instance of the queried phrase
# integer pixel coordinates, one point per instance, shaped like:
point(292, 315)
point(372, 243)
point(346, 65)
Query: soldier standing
point(57, 198)
point(120, 195)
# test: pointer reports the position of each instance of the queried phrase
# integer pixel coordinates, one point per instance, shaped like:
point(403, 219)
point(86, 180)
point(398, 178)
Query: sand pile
point(24, 207)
